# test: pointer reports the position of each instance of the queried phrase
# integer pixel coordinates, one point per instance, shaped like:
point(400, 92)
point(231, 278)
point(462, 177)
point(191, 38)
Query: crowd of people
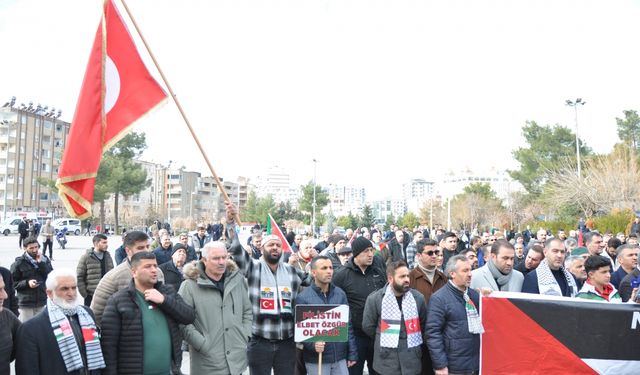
point(413, 297)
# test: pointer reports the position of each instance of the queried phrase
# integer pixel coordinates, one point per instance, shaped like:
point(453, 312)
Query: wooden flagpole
point(184, 115)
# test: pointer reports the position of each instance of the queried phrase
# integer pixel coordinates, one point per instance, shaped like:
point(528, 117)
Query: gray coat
point(482, 278)
point(218, 338)
point(400, 361)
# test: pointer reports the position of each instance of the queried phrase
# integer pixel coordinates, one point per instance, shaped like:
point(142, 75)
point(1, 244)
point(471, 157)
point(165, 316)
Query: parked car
point(11, 224)
point(73, 225)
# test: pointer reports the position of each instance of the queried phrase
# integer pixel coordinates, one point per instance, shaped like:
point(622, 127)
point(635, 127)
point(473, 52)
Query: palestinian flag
point(390, 327)
point(535, 334)
point(273, 228)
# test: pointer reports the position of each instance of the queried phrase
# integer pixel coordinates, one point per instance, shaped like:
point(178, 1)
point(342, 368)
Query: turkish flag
point(267, 304)
point(117, 90)
point(412, 325)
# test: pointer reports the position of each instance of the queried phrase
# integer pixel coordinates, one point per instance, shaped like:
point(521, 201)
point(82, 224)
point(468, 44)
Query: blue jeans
point(264, 355)
point(365, 353)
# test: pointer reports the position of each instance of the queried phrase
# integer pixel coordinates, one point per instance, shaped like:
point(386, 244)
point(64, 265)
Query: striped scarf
point(473, 318)
point(391, 318)
point(67, 342)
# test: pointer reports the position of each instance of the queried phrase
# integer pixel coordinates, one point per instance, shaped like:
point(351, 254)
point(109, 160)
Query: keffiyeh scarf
point(548, 285)
point(67, 342)
point(391, 317)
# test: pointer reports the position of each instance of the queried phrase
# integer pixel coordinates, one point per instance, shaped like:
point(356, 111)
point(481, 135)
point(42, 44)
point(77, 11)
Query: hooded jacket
point(218, 337)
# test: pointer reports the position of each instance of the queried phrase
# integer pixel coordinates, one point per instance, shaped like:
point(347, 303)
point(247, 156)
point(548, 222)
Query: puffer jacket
point(22, 270)
point(122, 331)
point(450, 343)
point(115, 280)
point(89, 271)
point(218, 337)
point(333, 351)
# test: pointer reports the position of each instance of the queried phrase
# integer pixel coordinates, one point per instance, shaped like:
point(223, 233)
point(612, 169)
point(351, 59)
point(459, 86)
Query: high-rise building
point(275, 182)
point(454, 182)
point(415, 193)
point(31, 143)
point(345, 199)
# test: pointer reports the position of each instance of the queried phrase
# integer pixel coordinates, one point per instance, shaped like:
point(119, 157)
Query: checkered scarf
point(391, 318)
point(67, 342)
point(473, 318)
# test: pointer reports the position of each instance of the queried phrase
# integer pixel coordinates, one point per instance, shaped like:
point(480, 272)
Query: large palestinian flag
point(532, 334)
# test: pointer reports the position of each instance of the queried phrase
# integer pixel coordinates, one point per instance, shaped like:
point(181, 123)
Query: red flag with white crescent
point(117, 90)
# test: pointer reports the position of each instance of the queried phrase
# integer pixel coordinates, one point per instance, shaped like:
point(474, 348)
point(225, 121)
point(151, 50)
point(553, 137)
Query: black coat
point(122, 331)
point(11, 303)
point(22, 271)
point(625, 285)
point(23, 228)
point(358, 286)
point(172, 275)
point(37, 350)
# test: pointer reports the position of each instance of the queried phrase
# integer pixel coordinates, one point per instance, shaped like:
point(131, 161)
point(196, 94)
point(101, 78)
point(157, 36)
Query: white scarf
point(276, 294)
point(548, 285)
point(391, 317)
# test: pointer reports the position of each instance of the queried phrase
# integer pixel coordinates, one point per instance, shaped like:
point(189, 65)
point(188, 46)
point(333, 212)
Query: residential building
point(31, 143)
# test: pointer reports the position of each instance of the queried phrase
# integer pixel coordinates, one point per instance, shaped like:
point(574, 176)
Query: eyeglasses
point(432, 252)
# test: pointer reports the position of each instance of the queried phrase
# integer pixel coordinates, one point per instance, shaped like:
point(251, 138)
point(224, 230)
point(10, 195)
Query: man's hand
point(484, 291)
point(293, 258)
point(153, 295)
point(33, 283)
point(351, 363)
point(442, 371)
point(231, 212)
point(634, 295)
point(319, 346)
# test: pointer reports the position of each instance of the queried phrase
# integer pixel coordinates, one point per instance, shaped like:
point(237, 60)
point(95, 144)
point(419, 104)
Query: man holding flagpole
point(396, 317)
point(273, 287)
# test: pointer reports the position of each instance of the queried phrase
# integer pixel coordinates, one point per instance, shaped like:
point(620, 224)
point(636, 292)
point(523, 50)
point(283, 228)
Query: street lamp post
point(575, 105)
point(313, 205)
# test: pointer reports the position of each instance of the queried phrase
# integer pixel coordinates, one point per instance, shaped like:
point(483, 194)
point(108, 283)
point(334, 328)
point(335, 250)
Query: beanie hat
point(359, 245)
point(177, 247)
point(579, 251)
point(270, 237)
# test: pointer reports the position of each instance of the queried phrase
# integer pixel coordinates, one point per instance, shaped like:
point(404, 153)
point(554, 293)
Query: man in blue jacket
point(337, 356)
point(453, 322)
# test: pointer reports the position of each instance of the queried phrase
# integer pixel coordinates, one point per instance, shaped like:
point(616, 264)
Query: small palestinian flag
point(272, 228)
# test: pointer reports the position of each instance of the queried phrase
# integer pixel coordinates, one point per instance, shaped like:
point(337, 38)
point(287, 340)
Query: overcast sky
point(377, 91)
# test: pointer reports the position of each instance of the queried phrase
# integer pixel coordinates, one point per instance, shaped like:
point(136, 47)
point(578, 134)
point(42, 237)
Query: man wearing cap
point(183, 239)
point(92, 267)
point(344, 255)
point(362, 275)
point(172, 270)
point(336, 242)
point(273, 287)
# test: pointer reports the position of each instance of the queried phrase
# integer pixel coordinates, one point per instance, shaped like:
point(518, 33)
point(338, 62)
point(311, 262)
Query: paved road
point(68, 258)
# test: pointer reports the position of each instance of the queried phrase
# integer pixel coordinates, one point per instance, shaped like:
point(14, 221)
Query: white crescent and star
point(112, 84)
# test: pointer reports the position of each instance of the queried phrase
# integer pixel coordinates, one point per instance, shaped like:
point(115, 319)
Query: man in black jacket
point(140, 331)
point(363, 274)
point(23, 231)
point(11, 302)
point(172, 270)
point(29, 273)
point(63, 339)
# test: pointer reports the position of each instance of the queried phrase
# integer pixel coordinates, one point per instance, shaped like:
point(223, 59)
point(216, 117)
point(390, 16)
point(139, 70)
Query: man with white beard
point(63, 337)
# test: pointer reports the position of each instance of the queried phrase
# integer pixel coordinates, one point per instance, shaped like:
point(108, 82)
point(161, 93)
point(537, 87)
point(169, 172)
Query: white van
point(11, 224)
point(74, 226)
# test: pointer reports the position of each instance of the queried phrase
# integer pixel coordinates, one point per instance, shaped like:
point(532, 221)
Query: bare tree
point(608, 182)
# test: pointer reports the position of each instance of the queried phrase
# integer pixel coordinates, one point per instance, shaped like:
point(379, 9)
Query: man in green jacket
point(218, 293)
